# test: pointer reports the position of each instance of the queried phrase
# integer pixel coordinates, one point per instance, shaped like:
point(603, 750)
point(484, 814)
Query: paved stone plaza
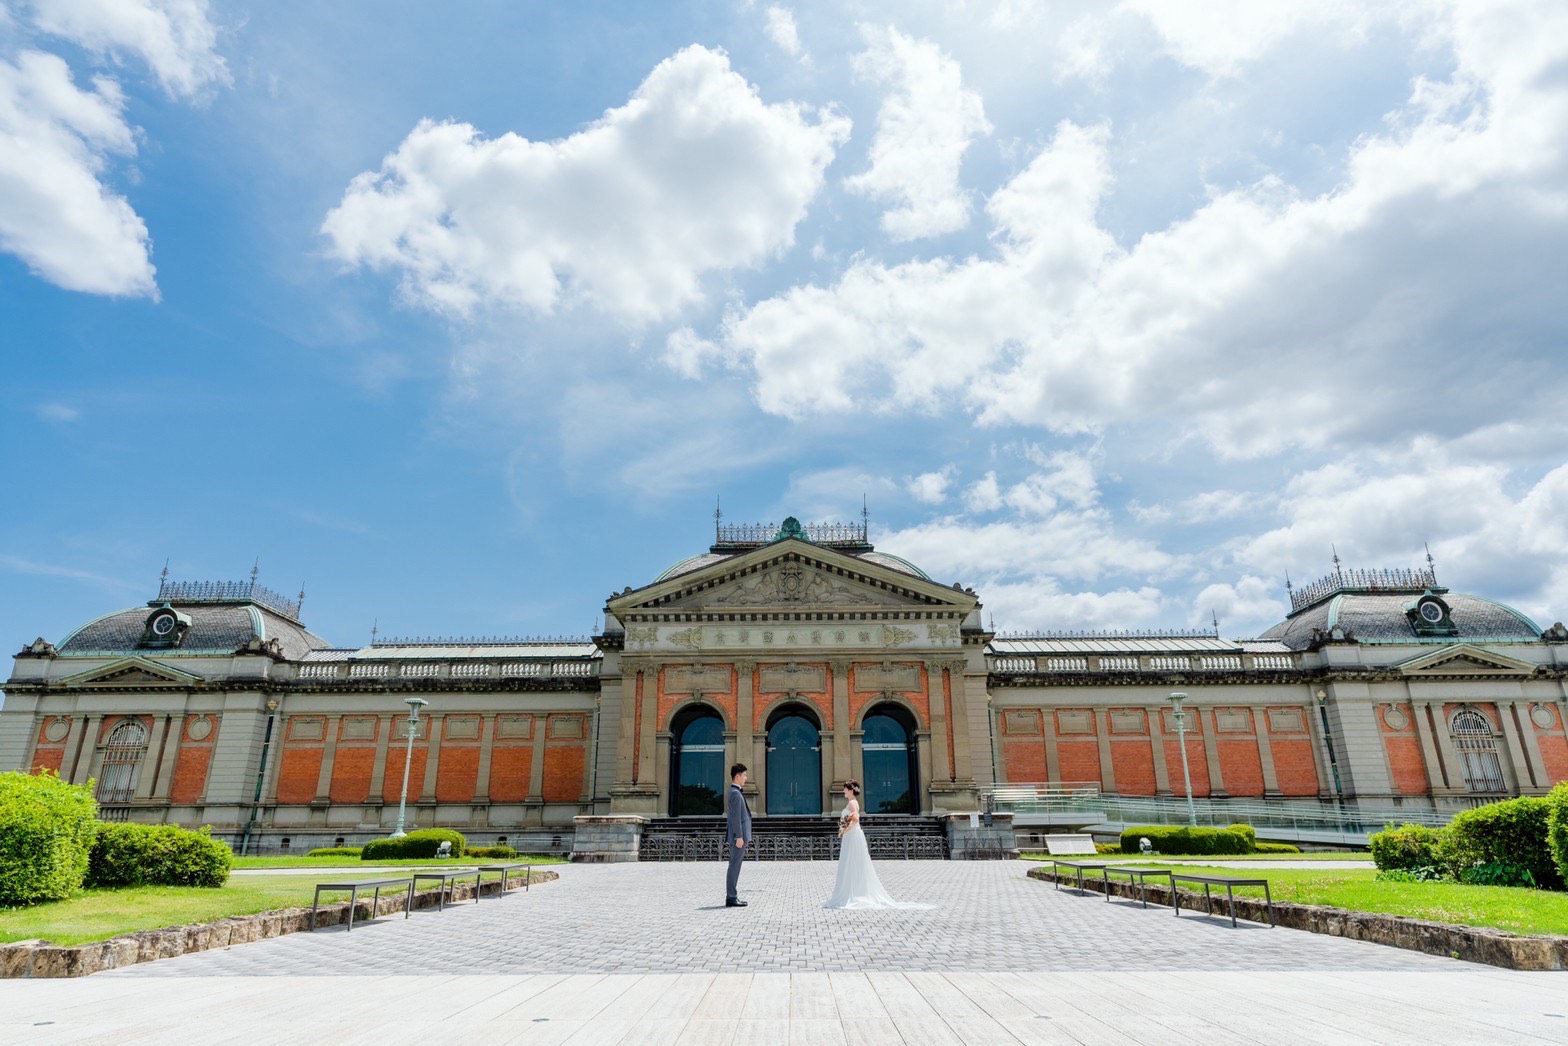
point(647, 953)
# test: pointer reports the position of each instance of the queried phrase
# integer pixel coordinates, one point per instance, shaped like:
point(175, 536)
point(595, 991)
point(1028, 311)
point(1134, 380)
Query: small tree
point(1557, 828)
point(46, 831)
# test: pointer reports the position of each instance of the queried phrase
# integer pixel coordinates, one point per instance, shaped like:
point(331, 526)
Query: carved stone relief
point(1074, 721)
point(708, 679)
point(1128, 721)
point(1232, 721)
point(1286, 721)
point(783, 678)
point(887, 677)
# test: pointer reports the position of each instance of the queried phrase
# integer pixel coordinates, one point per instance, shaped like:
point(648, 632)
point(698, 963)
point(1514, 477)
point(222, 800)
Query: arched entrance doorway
point(888, 747)
point(697, 764)
point(794, 778)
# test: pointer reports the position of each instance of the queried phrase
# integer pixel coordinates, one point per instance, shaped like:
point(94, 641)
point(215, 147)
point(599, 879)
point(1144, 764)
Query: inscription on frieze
point(707, 679)
point(887, 677)
point(784, 678)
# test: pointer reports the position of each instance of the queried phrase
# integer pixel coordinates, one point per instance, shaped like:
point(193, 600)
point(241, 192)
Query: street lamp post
point(1181, 741)
point(414, 705)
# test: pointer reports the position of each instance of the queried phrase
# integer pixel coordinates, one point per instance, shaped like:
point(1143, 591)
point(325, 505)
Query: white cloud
point(1207, 507)
point(688, 354)
point(1252, 322)
point(58, 412)
point(56, 214)
point(694, 174)
point(1250, 600)
point(781, 30)
point(923, 129)
point(930, 488)
point(1221, 37)
point(173, 37)
point(984, 495)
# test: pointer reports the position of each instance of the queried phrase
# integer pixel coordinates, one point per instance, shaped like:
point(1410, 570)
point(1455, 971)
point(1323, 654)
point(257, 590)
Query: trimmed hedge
point(495, 852)
point(1557, 828)
point(335, 851)
point(46, 830)
point(1180, 839)
point(421, 843)
point(1408, 848)
point(1501, 843)
point(1277, 848)
point(127, 854)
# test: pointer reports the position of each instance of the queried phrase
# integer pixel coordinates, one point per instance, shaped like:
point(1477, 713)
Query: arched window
point(697, 765)
point(122, 762)
point(794, 764)
point(1477, 749)
point(888, 746)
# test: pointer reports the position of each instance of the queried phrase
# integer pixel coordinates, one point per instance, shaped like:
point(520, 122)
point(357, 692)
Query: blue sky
point(462, 316)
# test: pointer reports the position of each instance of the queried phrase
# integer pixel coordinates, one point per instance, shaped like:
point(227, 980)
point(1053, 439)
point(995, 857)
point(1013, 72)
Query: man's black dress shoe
point(734, 902)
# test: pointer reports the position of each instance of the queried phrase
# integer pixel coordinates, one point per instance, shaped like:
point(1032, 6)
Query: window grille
point(122, 762)
point(1477, 749)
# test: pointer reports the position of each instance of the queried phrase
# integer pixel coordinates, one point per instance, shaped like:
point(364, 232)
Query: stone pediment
point(132, 672)
point(1465, 660)
point(792, 575)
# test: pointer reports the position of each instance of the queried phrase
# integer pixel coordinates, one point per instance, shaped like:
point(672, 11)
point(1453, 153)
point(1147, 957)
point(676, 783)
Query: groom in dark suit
point(738, 834)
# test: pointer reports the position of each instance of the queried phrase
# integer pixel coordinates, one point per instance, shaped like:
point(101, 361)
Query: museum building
point(809, 655)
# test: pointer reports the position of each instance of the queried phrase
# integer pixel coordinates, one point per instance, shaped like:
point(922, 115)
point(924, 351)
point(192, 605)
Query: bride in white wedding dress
point(857, 885)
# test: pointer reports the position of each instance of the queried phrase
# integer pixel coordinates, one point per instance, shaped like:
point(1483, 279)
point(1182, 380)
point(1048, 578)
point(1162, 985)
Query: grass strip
point(1327, 856)
point(393, 862)
point(97, 915)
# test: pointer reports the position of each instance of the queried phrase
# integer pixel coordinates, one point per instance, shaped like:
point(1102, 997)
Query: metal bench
point(1077, 869)
point(1136, 876)
point(504, 869)
point(445, 881)
point(1230, 882)
point(353, 888)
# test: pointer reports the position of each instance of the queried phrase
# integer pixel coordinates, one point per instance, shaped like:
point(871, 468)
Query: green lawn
point(1358, 889)
point(1336, 855)
point(397, 862)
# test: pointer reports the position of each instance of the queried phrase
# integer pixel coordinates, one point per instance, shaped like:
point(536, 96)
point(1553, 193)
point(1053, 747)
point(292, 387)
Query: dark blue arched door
point(697, 767)
point(794, 766)
point(889, 751)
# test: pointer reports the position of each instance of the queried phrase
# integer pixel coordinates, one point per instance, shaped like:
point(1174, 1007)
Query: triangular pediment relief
point(135, 671)
point(1465, 660)
point(791, 575)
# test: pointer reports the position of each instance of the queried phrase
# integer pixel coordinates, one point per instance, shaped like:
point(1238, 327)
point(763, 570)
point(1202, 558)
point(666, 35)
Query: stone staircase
point(890, 837)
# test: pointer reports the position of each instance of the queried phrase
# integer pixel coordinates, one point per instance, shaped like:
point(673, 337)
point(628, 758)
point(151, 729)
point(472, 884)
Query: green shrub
point(1511, 833)
point(1248, 831)
point(1107, 848)
point(1557, 828)
point(493, 852)
point(1408, 848)
point(1277, 848)
point(46, 830)
point(421, 843)
point(1180, 839)
point(1425, 874)
point(127, 854)
point(335, 851)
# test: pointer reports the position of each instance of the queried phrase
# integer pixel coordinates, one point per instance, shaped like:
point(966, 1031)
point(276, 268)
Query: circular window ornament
point(57, 729)
point(1395, 718)
point(1431, 611)
point(1543, 716)
point(200, 728)
point(162, 625)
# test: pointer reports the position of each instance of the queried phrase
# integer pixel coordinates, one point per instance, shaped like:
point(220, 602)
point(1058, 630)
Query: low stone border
point(41, 959)
point(1471, 943)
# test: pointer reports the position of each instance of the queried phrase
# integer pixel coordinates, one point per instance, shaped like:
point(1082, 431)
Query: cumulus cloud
point(930, 488)
point(1442, 233)
point(781, 30)
point(923, 129)
point(1221, 37)
point(694, 174)
point(56, 213)
point(1246, 602)
point(174, 37)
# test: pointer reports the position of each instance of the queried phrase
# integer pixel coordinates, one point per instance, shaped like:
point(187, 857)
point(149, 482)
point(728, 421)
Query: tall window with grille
point(122, 762)
point(1477, 748)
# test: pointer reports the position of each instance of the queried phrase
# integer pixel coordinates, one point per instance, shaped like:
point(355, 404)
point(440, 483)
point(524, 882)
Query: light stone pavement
point(647, 953)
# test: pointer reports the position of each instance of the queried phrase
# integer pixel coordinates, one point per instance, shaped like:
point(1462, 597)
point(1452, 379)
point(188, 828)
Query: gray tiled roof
point(1380, 618)
point(221, 628)
point(706, 559)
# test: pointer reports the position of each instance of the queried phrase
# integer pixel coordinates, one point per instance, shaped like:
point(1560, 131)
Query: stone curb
point(1472, 943)
point(41, 959)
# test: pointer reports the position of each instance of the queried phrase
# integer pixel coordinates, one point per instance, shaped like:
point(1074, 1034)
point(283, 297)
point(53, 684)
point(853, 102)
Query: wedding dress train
point(857, 885)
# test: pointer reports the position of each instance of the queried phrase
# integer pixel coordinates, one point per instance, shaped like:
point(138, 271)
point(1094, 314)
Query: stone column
point(1524, 777)
point(173, 731)
point(434, 725)
point(1320, 752)
point(922, 767)
point(958, 724)
point(486, 744)
point(1260, 729)
point(1162, 773)
point(386, 726)
point(93, 753)
point(1437, 781)
point(541, 725)
point(1211, 752)
point(946, 765)
point(1532, 747)
point(647, 770)
point(1102, 737)
point(329, 751)
point(84, 730)
point(1445, 745)
point(843, 762)
point(745, 715)
point(1053, 762)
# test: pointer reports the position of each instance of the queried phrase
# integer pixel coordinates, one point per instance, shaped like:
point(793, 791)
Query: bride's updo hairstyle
point(853, 786)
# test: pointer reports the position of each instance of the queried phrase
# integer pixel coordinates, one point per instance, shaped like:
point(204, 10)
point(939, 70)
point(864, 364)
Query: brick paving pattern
point(669, 918)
